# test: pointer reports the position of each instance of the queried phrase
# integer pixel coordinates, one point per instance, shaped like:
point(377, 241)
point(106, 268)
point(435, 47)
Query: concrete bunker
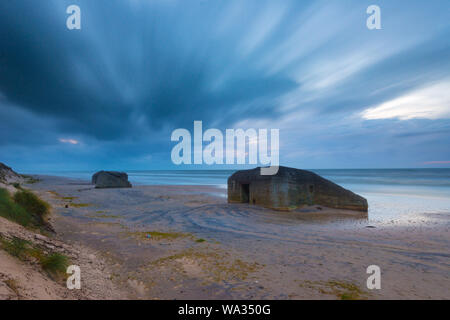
point(290, 189)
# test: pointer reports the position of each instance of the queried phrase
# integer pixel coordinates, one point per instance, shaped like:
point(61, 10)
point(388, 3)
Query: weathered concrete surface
point(290, 189)
point(111, 179)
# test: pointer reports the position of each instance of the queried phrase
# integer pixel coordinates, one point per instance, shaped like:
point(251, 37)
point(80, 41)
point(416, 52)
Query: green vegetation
point(156, 235)
point(345, 290)
point(80, 205)
point(16, 247)
point(103, 216)
point(69, 198)
point(57, 195)
point(54, 193)
point(30, 179)
point(341, 289)
point(216, 266)
point(32, 204)
point(54, 263)
point(13, 211)
point(24, 208)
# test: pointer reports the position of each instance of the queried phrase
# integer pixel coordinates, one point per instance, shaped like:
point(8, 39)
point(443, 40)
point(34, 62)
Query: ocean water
point(400, 195)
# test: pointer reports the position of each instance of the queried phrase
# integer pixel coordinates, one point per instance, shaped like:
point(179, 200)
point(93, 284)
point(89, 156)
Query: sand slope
point(26, 280)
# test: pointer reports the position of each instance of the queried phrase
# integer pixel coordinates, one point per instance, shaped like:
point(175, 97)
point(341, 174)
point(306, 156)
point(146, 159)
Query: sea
point(393, 194)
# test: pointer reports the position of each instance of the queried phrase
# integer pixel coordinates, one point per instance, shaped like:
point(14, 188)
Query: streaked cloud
point(70, 141)
point(264, 24)
point(431, 102)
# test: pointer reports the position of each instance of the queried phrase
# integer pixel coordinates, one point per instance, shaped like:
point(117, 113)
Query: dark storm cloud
point(123, 68)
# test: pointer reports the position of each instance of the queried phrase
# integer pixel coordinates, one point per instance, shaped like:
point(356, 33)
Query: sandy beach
point(187, 242)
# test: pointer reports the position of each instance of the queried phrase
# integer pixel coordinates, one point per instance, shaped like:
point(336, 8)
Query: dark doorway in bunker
point(245, 193)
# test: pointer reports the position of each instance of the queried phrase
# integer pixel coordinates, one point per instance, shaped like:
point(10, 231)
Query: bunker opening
point(245, 193)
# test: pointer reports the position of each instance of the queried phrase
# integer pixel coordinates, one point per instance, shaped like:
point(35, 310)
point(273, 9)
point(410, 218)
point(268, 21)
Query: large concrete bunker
point(290, 189)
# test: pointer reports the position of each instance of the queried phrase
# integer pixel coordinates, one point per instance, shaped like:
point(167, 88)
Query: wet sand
point(187, 242)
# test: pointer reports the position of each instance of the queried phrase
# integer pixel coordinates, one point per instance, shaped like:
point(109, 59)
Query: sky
point(108, 96)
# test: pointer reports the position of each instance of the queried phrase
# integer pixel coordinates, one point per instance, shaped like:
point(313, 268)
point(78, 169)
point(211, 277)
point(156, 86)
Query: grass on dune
point(16, 247)
point(28, 210)
point(10, 210)
point(32, 203)
point(54, 263)
point(24, 208)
